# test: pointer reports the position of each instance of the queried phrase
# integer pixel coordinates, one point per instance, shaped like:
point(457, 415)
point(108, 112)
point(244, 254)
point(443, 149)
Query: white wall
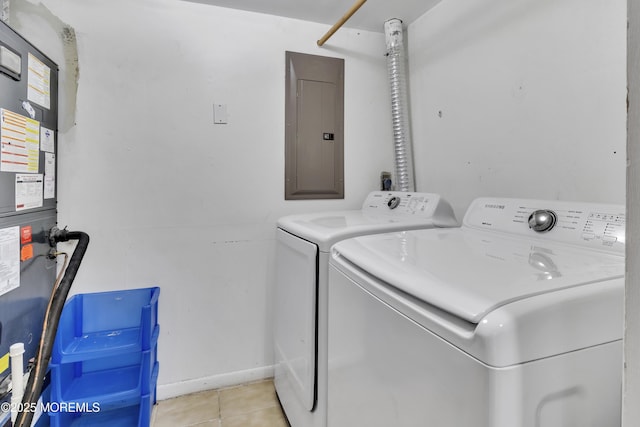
point(532, 95)
point(631, 388)
point(172, 200)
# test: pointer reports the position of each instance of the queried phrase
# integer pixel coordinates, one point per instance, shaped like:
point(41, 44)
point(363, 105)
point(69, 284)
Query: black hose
point(36, 378)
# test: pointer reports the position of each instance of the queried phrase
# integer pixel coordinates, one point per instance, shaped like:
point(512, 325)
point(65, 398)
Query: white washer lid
point(382, 211)
point(327, 228)
point(470, 273)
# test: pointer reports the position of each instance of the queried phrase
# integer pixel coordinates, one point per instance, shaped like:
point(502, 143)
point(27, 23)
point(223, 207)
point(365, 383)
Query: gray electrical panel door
point(28, 140)
point(314, 136)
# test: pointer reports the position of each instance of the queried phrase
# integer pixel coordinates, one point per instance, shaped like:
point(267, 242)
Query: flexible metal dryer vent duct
point(399, 105)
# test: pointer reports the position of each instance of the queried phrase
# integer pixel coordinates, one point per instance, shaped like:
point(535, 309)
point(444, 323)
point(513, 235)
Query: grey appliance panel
point(22, 309)
point(12, 94)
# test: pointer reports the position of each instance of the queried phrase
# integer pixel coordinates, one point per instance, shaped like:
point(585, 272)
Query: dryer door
point(295, 316)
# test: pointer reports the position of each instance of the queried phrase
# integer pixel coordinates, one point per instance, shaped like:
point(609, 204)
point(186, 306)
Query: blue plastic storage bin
point(102, 324)
point(112, 388)
point(105, 353)
point(43, 420)
point(131, 416)
point(136, 415)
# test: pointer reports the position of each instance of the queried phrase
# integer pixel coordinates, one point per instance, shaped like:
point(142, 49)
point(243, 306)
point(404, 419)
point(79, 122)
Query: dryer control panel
point(411, 204)
point(594, 225)
point(402, 203)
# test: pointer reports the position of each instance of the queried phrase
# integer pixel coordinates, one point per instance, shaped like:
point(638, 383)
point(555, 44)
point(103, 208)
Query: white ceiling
point(371, 16)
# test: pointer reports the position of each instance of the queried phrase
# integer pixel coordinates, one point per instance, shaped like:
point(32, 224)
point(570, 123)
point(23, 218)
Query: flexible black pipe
point(36, 378)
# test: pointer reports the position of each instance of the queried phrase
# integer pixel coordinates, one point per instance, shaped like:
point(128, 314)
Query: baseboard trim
point(167, 391)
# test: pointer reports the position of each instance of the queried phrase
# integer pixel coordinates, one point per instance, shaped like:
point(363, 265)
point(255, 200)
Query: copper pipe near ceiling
point(341, 22)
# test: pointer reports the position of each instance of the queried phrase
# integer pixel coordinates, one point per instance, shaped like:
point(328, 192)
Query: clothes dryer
point(300, 326)
point(513, 319)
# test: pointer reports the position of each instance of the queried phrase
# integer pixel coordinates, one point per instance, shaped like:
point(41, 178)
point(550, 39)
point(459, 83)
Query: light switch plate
point(220, 113)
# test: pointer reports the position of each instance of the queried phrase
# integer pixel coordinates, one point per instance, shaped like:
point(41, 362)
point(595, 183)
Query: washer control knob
point(393, 202)
point(542, 220)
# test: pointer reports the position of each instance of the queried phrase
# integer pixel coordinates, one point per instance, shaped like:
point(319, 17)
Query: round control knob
point(393, 202)
point(542, 220)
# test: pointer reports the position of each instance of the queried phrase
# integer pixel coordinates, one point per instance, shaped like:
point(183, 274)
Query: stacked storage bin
point(104, 365)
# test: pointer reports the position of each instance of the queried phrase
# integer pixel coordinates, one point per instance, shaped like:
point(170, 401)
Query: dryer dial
point(542, 220)
point(393, 202)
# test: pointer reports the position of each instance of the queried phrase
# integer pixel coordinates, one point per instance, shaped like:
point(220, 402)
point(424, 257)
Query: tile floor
point(250, 405)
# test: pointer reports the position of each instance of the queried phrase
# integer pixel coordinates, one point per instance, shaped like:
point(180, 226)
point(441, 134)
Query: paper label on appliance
point(26, 234)
point(49, 175)
point(4, 363)
point(19, 143)
point(29, 189)
point(49, 187)
point(9, 259)
point(29, 109)
point(39, 82)
point(26, 253)
point(50, 164)
point(47, 140)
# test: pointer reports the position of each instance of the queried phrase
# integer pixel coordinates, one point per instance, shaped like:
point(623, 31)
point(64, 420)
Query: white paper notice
point(9, 259)
point(50, 164)
point(47, 140)
point(49, 187)
point(49, 175)
point(39, 82)
point(20, 142)
point(28, 191)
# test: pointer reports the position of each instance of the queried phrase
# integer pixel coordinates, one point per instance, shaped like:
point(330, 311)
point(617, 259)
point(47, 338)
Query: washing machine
point(300, 323)
point(514, 319)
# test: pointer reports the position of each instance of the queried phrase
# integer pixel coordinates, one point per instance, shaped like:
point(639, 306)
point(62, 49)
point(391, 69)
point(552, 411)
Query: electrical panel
point(314, 132)
point(28, 142)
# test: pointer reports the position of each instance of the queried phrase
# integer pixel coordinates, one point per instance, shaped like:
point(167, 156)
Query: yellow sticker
point(4, 363)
